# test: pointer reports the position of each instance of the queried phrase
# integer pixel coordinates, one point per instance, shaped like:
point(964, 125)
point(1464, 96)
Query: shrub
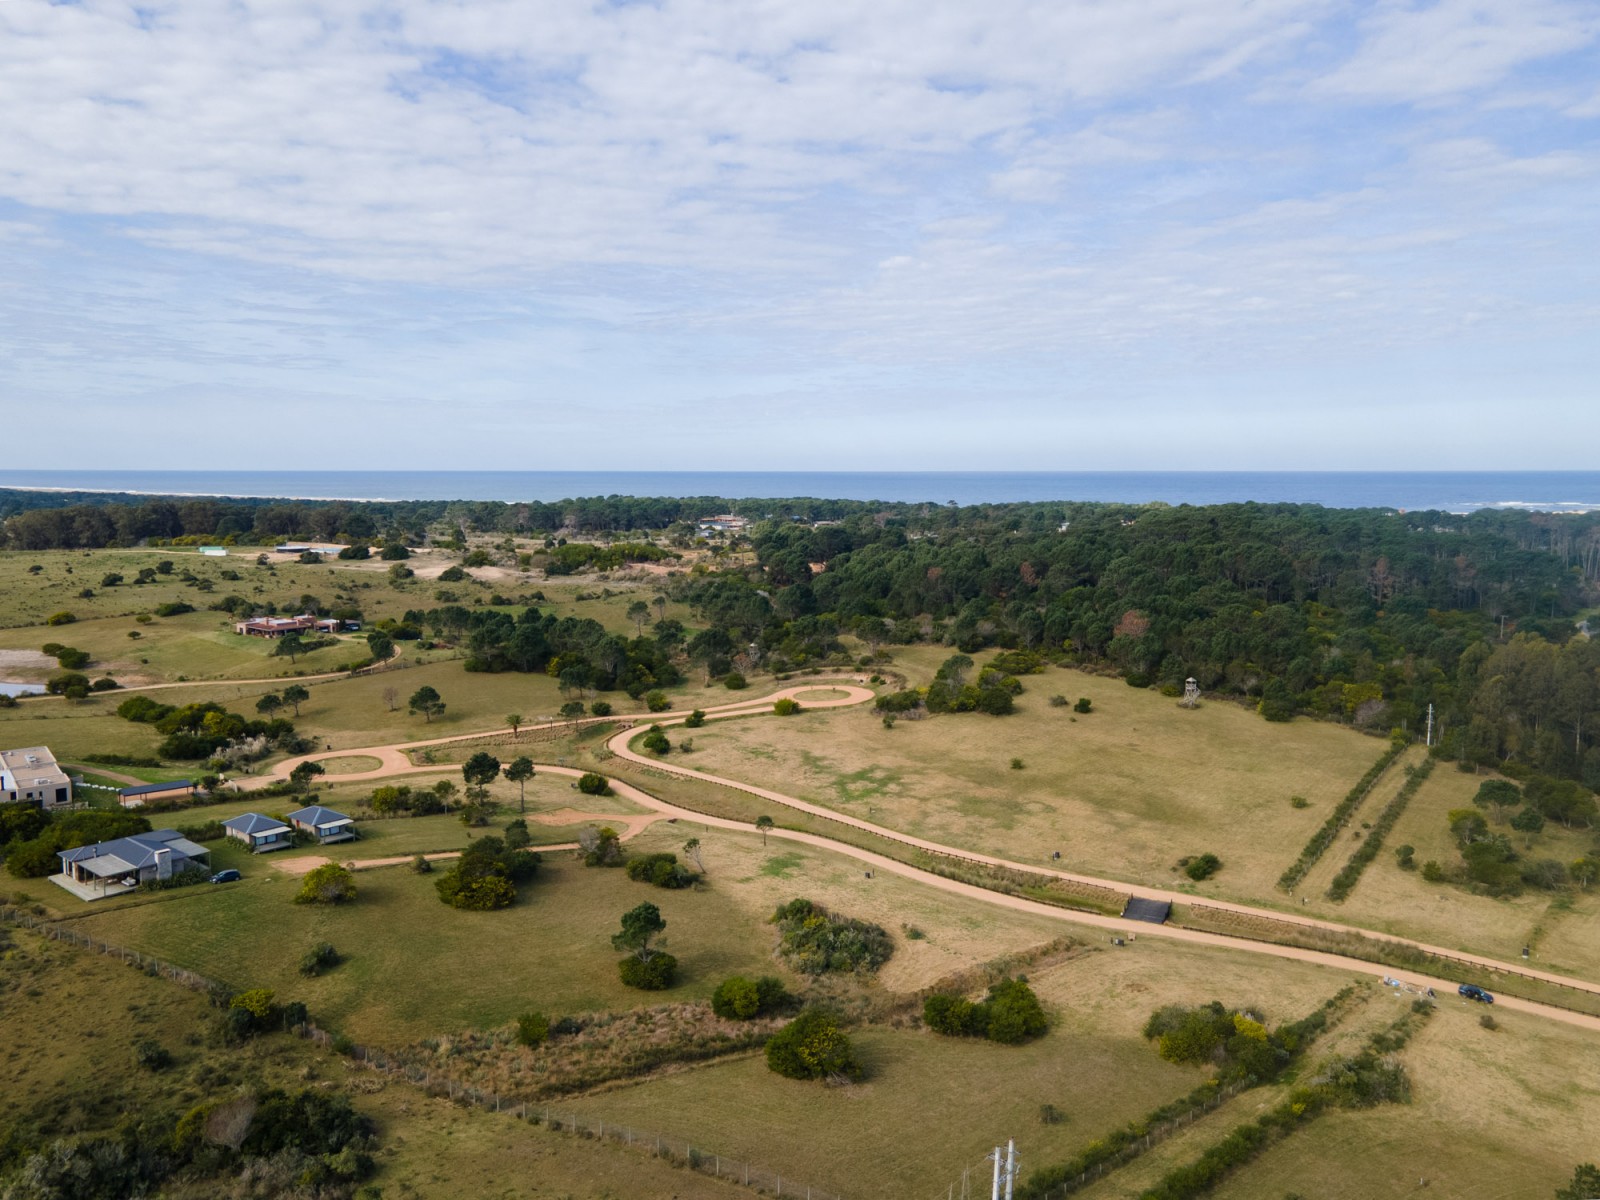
point(1432, 872)
point(1016, 764)
point(601, 708)
point(656, 741)
point(695, 719)
point(657, 701)
point(812, 1047)
point(104, 684)
point(786, 707)
point(173, 608)
point(601, 847)
point(663, 870)
point(591, 784)
point(816, 941)
point(734, 681)
point(65, 683)
point(1202, 866)
point(1058, 702)
point(1010, 1014)
point(71, 659)
point(741, 999)
point(453, 574)
point(327, 884)
point(1299, 802)
point(1405, 856)
point(321, 957)
point(653, 974)
point(421, 865)
point(358, 551)
point(532, 1028)
point(394, 552)
point(486, 875)
point(151, 1055)
point(60, 618)
point(1084, 704)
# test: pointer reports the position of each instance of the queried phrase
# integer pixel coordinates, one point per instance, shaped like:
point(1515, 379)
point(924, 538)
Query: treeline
point(89, 521)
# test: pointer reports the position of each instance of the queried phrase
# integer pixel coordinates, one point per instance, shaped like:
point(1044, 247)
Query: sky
point(899, 235)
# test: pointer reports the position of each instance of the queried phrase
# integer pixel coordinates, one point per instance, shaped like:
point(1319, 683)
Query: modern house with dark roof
point(146, 793)
point(324, 824)
point(259, 833)
point(111, 868)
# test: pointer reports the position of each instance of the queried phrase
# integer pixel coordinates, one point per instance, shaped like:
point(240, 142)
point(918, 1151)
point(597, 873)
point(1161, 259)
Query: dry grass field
point(1123, 791)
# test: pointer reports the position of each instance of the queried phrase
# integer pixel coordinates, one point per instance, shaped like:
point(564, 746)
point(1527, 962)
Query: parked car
point(1473, 992)
point(230, 876)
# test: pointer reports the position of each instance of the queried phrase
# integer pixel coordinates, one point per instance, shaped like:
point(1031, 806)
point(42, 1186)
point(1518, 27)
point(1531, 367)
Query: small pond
point(7, 688)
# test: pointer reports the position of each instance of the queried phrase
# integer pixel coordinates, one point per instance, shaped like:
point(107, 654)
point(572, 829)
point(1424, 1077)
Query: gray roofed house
point(120, 865)
point(258, 832)
point(325, 824)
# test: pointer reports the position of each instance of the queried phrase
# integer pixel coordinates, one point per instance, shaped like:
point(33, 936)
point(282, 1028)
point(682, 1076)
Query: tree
point(514, 720)
point(518, 771)
point(691, 851)
point(533, 1028)
point(391, 697)
point(601, 846)
point(425, 700)
point(291, 644)
point(786, 707)
point(480, 771)
point(812, 1047)
point(328, 884)
point(380, 645)
point(300, 778)
point(269, 704)
point(764, 823)
point(659, 602)
point(639, 613)
point(591, 784)
point(640, 925)
point(1585, 1184)
point(296, 695)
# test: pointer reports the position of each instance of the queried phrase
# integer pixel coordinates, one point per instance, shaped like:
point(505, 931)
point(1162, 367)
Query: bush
point(1202, 866)
point(786, 707)
point(1058, 701)
point(657, 701)
point(1299, 802)
point(394, 552)
point(653, 974)
point(812, 1047)
point(591, 784)
point(656, 741)
point(1405, 857)
point(486, 875)
point(151, 1055)
point(816, 941)
point(1010, 1014)
point(533, 1028)
point(695, 719)
point(1016, 764)
point(420, 865)
point(65, 683)
point(601, 708)
point(173, 608)
point(1432, 872)
point(1084, 704)
point(60, 618)
point(663, 870)
point(453, 574)
point(327, 884)
point(734, 681)
point(321, 957)
point(741, 999)
point(356, 552)
point(70, 659)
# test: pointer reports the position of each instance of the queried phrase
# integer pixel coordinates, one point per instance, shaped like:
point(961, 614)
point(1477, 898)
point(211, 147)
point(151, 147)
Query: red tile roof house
point(275, 627)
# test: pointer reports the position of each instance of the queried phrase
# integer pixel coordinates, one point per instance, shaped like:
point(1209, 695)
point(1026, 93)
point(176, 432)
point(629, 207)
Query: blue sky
point(912, 234)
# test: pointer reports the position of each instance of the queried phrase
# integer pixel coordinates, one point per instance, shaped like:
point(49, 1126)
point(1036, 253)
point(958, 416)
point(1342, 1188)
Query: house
point(723, 524)
point(330, 625)
point(111, 868)
point(32, 776)
point(324, 824)
point(214, 551)
point(147, 793)
point(275, 627)
point(323, 548)
point(260, 833)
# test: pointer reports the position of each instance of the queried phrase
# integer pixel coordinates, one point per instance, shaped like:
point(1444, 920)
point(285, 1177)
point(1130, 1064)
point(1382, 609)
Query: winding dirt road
point(394, 762)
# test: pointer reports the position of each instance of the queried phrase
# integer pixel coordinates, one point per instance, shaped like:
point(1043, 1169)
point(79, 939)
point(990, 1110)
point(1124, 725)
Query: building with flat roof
point(275, 627)
point(32, 776)
point(148, 793)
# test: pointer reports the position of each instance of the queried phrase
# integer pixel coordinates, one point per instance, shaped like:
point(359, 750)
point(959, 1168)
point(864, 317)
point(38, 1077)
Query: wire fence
point(662, 1145)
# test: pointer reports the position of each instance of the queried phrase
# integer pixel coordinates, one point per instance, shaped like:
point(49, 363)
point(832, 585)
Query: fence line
point(146, 962)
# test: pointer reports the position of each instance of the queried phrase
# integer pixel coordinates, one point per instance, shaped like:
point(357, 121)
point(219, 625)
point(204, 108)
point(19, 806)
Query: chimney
point(163, 864)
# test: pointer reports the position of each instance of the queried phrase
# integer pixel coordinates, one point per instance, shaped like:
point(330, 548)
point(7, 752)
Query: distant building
point(260, 833)
point(110, 868)
point(313, 547)
point(727, 523)
point(147, 793)
point(214, 551)
point(32, 776)
point(276, 627)
point(324, 824)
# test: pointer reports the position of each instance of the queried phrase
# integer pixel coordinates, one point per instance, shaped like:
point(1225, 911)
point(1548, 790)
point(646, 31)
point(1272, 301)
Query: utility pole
point(1430, 724)
point(994, 1192)
point(1011, 1166)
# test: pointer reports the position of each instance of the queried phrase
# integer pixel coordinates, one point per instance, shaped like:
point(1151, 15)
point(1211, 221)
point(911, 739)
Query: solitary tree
point(303, 774)
point(639, 613)
point(639, 925)
point(391, 697)
point(269, 704)
point(480, 771)
point(660, 603)
point(296, 695)
point(691, 851)
point(327, 884)
point(515, 721)
point(291, 644)
point(764, 823)
point(519, 771)
point(425, 700)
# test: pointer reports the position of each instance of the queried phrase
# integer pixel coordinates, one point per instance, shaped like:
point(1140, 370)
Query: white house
point(32, 776)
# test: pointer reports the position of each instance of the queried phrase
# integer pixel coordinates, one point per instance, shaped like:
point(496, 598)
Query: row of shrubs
point(1323, 838)
point(1011, 1013)
point(1345, 881)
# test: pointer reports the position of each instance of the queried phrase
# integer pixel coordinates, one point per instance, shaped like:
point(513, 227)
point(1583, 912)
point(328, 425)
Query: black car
point(232, 876)
point(1473, 992)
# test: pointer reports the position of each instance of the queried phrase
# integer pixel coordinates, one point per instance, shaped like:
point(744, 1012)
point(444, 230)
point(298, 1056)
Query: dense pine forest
point(1364, 616)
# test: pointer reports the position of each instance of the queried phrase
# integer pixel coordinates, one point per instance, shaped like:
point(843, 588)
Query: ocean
point(1449, 491)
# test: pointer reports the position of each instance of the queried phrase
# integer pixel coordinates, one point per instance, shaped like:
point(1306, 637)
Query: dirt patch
point(25, 660)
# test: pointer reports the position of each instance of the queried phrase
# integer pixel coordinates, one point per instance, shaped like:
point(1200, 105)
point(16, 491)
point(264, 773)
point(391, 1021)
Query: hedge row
point(1323, 838)
point(1345, 881)
point(1368, 1078)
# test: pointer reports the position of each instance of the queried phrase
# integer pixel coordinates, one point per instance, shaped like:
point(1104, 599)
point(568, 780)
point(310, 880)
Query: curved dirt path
point(394, 755)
